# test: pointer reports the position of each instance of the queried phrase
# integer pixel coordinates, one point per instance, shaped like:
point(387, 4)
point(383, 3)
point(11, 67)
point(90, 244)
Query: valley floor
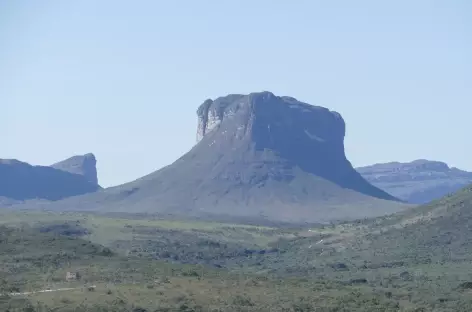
point(139, 264)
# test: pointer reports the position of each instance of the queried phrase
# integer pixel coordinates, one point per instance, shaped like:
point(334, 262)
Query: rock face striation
point(257, 156)
point(85, 165)
point(20, 181)
point(417, 182)
point(299, 135)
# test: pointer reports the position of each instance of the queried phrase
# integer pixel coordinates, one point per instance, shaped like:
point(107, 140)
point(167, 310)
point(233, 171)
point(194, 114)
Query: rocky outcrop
point(208, 118)
point(305, 136)
point(85, 165)
point(417, 182)
point(258, 157)
point(20, 181)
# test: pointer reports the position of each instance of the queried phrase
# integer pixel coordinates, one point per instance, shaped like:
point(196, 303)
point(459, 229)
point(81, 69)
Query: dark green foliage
point(243, 300)
point(67, 229)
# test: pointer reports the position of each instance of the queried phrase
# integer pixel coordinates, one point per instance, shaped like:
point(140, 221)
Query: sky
point(123, 79)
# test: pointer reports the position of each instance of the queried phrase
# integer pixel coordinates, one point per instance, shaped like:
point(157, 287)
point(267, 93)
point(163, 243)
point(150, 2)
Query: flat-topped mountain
point(85, 165)
point(257, 156)
point(21, 181)
point(417, 182)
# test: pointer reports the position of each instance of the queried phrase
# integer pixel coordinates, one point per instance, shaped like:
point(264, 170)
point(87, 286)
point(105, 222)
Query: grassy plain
point(410, 262)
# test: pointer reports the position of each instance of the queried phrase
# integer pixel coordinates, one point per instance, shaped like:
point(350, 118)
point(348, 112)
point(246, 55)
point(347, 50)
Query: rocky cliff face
point(85, 165)
point(305, 136)
point(258, 156)
point(419, 181)
point(21, 181)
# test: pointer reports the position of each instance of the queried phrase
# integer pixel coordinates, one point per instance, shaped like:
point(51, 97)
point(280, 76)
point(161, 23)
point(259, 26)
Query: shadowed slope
point(21, 181)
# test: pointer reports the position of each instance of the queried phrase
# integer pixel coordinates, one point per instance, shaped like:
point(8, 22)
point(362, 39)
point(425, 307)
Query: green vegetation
point(33, 260)
point(415, 261)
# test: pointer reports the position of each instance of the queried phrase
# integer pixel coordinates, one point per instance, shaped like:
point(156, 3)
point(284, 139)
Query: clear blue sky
point(123, 79)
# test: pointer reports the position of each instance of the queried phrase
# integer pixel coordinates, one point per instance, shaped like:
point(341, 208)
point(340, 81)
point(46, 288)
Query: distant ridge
point(20, 181)
point(417, 182)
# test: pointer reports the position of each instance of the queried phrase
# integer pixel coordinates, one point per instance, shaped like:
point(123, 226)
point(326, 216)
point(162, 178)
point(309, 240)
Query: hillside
point(421, 256)
point(416, 182)
point(258, 156)
point(435, 233)
point(20, 181)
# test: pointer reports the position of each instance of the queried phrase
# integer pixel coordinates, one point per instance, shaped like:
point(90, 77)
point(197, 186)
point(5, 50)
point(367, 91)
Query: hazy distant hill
point(85, 165)
point(21, 181)
point(419, 181)
point(257, 156)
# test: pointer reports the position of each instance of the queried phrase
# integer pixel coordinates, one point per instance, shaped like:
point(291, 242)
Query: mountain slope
point(439, 233)
point(21, 181)
point(436, 234)
point(257, 156)
point(416, 182)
